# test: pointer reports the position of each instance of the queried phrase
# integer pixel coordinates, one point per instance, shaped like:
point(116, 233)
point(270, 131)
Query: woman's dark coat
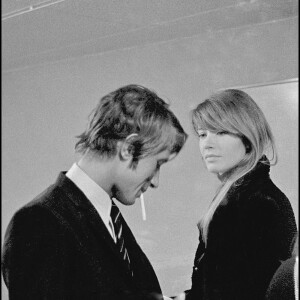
point(250, 233)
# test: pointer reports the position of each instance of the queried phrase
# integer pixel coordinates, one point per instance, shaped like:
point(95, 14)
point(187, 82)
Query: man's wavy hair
point(132, 109)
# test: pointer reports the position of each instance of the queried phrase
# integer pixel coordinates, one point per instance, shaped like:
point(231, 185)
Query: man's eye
point(201, 133)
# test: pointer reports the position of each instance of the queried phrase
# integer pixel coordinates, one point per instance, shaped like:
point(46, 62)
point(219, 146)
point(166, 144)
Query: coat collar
point(257, 176)
point(258, 173)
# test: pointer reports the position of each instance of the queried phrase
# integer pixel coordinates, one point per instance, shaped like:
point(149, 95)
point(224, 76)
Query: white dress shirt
point(97, 196)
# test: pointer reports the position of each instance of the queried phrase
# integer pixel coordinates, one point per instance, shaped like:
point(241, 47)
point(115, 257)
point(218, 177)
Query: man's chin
point(132, 201)
point(123, 199)
point(128, 201)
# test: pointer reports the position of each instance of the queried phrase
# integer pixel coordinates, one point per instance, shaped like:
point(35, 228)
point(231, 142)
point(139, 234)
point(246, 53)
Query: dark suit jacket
point(57, 247)
point(250, 233)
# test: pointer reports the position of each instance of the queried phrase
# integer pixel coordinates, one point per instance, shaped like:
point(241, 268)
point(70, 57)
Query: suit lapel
point(88, 217)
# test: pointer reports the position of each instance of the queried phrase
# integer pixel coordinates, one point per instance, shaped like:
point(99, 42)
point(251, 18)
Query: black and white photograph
point(150, 149)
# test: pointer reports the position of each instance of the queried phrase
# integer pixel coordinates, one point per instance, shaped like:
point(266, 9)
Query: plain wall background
point(44, 107)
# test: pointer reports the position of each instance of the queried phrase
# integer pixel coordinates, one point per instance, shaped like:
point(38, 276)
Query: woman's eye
point(223, 132)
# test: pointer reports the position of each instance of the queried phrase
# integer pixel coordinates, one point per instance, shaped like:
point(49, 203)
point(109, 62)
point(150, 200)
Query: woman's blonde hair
point(234, 111)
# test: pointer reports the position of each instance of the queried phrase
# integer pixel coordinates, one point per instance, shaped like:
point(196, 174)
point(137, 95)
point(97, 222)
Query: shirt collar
point(98, 197)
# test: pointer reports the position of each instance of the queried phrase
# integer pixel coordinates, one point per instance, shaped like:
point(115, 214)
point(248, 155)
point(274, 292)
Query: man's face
point(131, 183)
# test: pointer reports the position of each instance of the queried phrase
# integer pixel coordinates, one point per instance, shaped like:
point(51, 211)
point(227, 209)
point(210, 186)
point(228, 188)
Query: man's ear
point(126, 147)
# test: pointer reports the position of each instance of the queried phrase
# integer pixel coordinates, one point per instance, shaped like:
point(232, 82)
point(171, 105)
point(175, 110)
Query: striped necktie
point(115, 215)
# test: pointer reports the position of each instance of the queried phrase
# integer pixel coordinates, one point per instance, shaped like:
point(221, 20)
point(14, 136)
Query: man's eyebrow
point(163, 160)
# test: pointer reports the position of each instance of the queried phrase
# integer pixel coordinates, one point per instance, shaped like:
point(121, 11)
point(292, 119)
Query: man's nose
point(155, 180)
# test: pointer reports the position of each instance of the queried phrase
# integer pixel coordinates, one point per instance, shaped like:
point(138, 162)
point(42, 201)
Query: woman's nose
point(209, 141)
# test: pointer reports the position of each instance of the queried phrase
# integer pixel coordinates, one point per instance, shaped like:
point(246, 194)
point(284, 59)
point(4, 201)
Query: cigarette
point(143, 207)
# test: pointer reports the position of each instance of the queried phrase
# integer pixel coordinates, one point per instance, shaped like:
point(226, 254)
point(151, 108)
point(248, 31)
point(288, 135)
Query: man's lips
point(142, 191)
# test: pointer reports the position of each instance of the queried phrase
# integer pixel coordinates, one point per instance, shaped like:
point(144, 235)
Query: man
point(71, 242)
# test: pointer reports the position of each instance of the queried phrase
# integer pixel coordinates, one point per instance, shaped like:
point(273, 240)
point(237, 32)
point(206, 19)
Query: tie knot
point(114, 212)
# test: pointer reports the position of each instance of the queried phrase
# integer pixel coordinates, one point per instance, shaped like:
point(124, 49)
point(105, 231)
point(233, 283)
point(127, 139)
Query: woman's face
point(221, 151)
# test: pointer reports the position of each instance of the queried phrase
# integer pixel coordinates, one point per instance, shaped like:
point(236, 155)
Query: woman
point(249, 226)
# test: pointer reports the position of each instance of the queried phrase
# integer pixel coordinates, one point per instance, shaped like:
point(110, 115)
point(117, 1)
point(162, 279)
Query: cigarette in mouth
point(143, 207)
